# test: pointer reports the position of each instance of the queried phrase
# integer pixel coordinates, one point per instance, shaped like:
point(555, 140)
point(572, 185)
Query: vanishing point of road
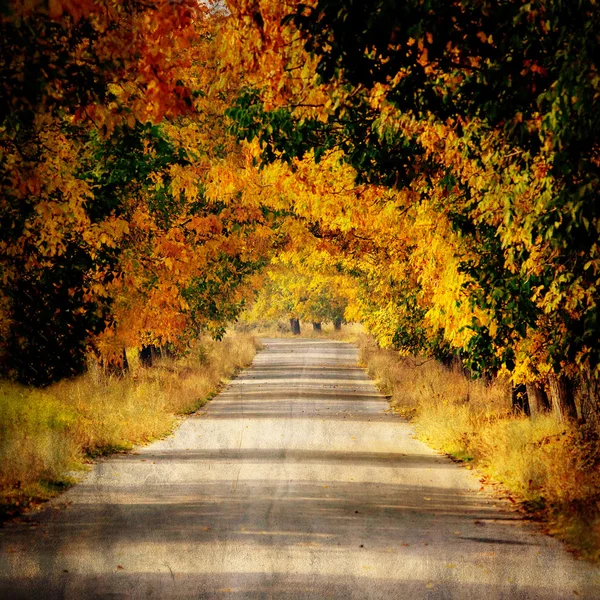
point(295, 482)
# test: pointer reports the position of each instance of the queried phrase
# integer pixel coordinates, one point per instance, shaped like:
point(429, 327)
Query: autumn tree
point(304, 282)
point(486, 114)
point(109, 131)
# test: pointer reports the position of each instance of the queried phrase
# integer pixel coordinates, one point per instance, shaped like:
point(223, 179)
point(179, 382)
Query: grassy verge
point(553, 469)
point(47, 434)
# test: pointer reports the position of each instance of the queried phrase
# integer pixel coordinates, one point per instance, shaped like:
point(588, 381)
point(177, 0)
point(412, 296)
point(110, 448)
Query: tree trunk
point(168, 351)
point(538, 399)
point(447, 360)
point(520, 401)
point(454, 362)
point(316, 326)
point(147, 354)
point(589, 393)
point(295, 326)
point(560, 391)
point(337, 324)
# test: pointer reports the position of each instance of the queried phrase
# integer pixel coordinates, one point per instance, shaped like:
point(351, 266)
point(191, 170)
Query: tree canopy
point(482, 117)
point(440, 157)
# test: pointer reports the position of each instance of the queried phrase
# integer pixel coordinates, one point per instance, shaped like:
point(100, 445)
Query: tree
point(303, 284)
point(486, 117)
point(111, 123)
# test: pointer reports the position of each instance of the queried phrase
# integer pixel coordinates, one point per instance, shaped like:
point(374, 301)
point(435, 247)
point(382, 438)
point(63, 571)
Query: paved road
point(295, 482)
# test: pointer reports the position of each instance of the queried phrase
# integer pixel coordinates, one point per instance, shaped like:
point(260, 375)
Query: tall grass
point(46, 434)
point(552, 468)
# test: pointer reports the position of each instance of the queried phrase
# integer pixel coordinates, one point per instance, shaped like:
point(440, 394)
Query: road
point(295, 482)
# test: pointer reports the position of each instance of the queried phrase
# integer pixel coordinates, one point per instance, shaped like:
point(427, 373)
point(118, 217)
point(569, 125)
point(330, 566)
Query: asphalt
point(295, 482)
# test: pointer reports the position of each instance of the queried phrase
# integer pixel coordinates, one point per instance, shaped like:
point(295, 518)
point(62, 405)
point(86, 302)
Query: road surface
point(295, 482)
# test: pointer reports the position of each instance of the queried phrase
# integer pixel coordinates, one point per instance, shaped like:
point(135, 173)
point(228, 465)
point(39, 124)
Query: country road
point(295, 482)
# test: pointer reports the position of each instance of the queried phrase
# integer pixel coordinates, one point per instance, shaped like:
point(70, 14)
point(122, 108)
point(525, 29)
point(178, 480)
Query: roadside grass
point(47, 435)
point(552, 469)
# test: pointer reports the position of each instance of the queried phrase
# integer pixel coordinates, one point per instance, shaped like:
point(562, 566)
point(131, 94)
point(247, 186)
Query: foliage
point(305, 285)
point(110, 125)
point(485, 119)
point(440, 160)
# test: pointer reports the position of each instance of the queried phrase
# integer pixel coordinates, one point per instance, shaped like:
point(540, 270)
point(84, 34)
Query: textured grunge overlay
point(295, 482)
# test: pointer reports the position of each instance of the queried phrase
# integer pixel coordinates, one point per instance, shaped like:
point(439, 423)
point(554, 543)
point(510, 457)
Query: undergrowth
point(553, 469)
point(47, 435)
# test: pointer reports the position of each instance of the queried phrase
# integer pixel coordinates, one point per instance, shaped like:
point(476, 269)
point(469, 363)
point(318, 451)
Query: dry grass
point(552, 468)
point(45, 434)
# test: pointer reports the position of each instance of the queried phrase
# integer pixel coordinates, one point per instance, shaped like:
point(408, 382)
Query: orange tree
point(185, 262)
point(108, 130)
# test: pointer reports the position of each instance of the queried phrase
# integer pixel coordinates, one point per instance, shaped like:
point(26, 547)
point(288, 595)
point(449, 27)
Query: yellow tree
point(497, 155)
point(297, 288)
